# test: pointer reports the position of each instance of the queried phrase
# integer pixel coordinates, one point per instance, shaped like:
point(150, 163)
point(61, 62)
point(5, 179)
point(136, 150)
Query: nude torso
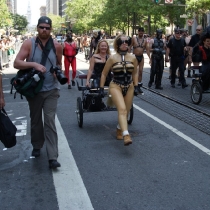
point(139, 50)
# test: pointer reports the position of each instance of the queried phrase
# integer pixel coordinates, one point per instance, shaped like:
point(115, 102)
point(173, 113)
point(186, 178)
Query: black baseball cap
point(141, 29)
point(177, 30)
point(45, 19)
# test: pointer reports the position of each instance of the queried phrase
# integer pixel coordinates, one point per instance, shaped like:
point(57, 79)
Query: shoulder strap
point(46, 50)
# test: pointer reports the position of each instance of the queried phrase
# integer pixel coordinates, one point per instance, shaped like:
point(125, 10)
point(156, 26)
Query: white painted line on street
point(69, 186)
point(179, 133)
point(80, 72)
point(6, 91)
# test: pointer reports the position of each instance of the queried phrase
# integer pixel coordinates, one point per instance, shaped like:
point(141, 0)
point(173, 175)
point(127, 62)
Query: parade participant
point(158, 48)
point(97, 63)
point(97, 35)
point(195, 39)
point(86, 46)
point(70, 51)
point(175, 48)
point(188, 61)
point(30, 56)
point(139, 44)
point(124, 84)
point(204, 57)
point(2, 101)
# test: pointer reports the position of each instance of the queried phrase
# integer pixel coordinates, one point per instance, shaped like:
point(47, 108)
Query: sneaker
point(35, 153)
point(73, 82)
point(69, 86)
point(53, 164)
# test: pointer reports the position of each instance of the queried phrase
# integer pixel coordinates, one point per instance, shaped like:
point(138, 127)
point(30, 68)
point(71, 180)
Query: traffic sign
point(169, 1)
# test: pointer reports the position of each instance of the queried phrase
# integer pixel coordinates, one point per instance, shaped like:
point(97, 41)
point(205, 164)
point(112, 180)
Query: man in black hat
point(32, 55)
point(176, 48)
point(157, 47)
point(139, 44)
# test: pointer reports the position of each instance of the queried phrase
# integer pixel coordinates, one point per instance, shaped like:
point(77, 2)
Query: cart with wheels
point(196, 91)
point(91, 101)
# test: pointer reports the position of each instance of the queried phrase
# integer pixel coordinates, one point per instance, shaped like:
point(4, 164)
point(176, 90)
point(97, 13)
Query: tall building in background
point(11, 6)
point(63, 8)
point(15, 6)
point(29, 13)
point(42, 11)
point(52, 7)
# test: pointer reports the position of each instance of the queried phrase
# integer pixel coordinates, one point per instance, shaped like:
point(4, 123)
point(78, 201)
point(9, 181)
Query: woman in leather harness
point(123, 85)
point(97, 63)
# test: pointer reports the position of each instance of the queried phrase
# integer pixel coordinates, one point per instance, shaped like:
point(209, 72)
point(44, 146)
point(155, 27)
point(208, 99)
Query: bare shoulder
point(27, 43)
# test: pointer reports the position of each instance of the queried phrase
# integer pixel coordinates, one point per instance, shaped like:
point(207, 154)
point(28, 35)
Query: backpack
point(7, 130)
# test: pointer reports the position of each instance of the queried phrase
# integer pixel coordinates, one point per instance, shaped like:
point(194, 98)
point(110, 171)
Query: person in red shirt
point(70, 50)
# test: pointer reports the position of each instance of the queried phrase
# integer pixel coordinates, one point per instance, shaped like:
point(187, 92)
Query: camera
point(59, 74)
point(31, 73)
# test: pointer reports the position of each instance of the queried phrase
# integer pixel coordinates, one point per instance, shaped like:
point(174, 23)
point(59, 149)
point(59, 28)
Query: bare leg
point(123, 104)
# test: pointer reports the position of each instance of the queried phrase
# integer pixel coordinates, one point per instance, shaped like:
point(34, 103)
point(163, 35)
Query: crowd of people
point(122, 72)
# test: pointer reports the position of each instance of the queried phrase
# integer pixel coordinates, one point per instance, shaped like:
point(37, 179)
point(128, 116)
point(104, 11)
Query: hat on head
point(176, 30)
point(141, 29)
point(45, 19)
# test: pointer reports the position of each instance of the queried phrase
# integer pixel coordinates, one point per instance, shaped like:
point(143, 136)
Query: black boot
point(184, 85)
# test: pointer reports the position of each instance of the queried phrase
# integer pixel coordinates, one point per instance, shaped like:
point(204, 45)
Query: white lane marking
point(21, 126)
point(80, 72)
point(6, 91)
point(177, 132)
point(69, 186)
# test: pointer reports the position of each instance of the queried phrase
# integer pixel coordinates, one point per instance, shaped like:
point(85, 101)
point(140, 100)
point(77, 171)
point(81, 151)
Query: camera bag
point(31, 88)
point(7, 130)
point(28, 89)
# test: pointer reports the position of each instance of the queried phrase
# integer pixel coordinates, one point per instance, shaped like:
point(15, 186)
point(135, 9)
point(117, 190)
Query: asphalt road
point(166, 167)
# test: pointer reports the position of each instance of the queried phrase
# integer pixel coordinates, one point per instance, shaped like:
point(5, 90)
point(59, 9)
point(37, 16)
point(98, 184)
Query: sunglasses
point(140, 30)
point(177, 32)
point(44, 27)
point(123, 41)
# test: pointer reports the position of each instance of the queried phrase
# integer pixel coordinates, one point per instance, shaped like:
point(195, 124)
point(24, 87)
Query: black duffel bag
point(7, 130)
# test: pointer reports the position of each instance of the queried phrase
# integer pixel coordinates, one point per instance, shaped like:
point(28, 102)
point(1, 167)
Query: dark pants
point(156, 69)
point(177, 62)
point(41, 132)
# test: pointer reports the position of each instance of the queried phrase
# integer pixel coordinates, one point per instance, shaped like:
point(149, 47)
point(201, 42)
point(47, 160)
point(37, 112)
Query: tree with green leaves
point(5, 19)
point(19, 22)
point(84, 12)
point(198, 9)
point(58, 24)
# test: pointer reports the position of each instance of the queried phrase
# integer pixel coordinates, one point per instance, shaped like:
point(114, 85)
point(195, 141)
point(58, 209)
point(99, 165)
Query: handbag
point(7, 130)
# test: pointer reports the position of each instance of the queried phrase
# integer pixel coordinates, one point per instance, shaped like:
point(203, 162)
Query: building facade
point(42, 11)
point(52, 7)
